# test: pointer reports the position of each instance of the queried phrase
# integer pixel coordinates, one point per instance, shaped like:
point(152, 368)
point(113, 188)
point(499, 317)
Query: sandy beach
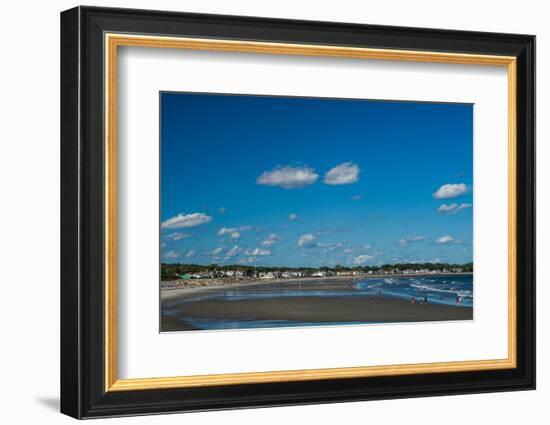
point(183, 308)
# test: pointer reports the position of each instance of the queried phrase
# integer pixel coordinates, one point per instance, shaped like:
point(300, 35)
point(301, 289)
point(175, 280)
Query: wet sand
point(375, 309)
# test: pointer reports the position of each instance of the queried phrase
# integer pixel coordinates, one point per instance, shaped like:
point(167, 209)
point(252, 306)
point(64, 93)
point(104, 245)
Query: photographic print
point(293, 211)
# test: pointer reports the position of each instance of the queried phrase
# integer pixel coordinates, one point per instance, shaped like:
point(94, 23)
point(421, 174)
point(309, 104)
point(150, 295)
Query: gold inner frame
point(113, 41)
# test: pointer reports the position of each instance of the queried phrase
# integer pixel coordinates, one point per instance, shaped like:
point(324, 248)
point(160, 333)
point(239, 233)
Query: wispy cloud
point(176, 236)
point(329, 247)
point(307, 241)
point(191, 253)
point(323, 232)
point(293, 217)
point(330, 230)
point(226, 230)
point(217, 251)
point(450, 191)
point(271, 240)
point(171, 255)
point(356, 197)
point(186, 220)
point(345, 173)
point(234, 232)
point(247, 260)
point(444, 239)
point(406, 241)
point(257, 252)
point(362, 259)
point(288, 177)
point(372, 216)
point(232, 252)
point(452, 208)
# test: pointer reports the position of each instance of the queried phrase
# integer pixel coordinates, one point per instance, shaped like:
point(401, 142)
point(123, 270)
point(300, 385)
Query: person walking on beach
point(425, 299)
point(458, 299)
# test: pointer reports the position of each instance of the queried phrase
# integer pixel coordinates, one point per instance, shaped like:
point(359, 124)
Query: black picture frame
point(83, 392)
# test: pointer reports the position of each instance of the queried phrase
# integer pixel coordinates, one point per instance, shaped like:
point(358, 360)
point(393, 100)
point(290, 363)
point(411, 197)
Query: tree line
point(174, 270)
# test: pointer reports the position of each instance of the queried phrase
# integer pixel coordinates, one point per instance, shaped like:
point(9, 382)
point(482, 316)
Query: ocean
point(440, 289)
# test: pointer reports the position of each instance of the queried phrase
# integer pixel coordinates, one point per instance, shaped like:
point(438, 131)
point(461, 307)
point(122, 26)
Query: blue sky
point(289, 181)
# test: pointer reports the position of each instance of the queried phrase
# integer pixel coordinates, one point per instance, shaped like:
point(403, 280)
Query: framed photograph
point(261, 212)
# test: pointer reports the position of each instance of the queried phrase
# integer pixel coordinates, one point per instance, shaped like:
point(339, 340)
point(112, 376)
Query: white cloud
point(293, 217)
point(271, 240)
point(448, 209)
point(288, 177)
point(226, 230)
point(356, 197)
point(450, 191)
point(235, 235)
point(452, 208)
point(171, 255)
point(406, 241)
point(306, 241)
point(329, 246)
point(330, 230)
point(232, 252)
point(444, 239)
point(345, 173)
point(186, 220)
point(177, 236)
point(257, 252)
point(230, 230)
point(190, 254)
point(248, 260)
point(217, 251)
point(361, 259)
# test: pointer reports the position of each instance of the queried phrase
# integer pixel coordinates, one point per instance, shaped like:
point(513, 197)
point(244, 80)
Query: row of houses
point(214, 274)
point(251, 273)
point(295, 274)
point(281, 275)
point(238, 274)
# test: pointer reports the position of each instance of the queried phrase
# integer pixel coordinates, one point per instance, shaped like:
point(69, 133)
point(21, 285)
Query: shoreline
point(295, 302)
point(174, 291)
point(212, 314)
